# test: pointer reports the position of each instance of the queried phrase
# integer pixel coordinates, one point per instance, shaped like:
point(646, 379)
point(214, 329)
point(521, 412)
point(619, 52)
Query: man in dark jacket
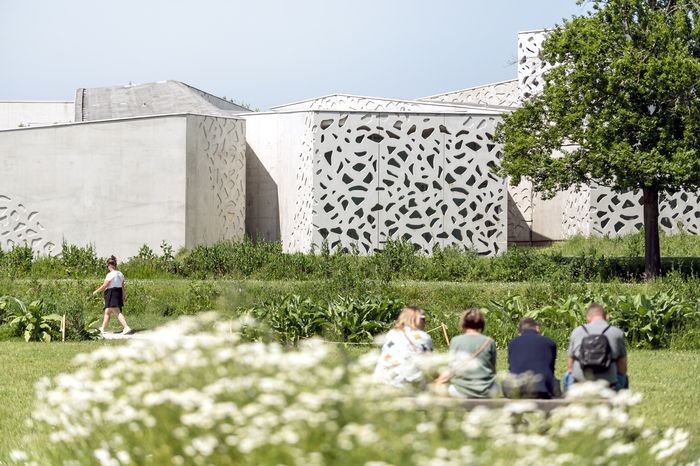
point(531, 359)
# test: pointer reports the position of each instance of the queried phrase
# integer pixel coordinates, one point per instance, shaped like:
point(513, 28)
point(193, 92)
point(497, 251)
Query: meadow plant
point(197, 392)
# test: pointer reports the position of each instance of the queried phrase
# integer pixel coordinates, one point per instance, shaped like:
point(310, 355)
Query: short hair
point(410, 316)
point(473, 319)
point(596, 309)
point(528, 323)
point(112, 261)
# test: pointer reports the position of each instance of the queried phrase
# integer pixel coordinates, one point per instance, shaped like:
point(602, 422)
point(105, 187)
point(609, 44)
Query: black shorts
point(114, 297)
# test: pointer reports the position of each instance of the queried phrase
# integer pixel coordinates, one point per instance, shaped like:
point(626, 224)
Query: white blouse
point(397, 363)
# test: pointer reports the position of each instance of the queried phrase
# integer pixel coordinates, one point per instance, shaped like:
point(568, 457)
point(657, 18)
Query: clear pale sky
point(265, 52)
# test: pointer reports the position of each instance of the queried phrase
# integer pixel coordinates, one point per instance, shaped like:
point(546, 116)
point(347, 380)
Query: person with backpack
point(597, 351)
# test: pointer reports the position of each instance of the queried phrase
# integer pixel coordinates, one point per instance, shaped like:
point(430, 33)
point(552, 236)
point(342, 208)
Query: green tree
point(622, 97)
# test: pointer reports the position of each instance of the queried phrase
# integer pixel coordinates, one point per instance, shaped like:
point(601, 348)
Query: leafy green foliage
point(292, 318)
point(32, 321)
point(358, 320)
point(345, 319)
point(623, 90)
point(648, 321)
point(620, 107)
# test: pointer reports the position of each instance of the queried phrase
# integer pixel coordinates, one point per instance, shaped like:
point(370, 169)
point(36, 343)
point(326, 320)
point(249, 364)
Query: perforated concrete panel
point(364, 177)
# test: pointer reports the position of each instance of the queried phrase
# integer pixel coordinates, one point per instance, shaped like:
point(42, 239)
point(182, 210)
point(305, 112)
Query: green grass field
point(667, 379)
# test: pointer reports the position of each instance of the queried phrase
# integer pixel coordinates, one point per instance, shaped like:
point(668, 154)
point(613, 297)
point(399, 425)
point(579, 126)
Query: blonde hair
point(410, 316)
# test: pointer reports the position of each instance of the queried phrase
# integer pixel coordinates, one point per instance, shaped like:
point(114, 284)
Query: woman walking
point(113, 288)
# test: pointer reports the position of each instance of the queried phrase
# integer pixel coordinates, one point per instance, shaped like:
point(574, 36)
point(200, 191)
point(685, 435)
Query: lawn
point(667, 379)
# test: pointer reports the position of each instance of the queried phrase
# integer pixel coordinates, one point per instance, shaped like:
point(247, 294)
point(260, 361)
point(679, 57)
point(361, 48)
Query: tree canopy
point(622, 93)
point(620, 107)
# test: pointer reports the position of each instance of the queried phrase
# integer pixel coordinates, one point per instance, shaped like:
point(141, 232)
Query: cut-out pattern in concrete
point(20, 226)
point(520, 211)
point(425, 178)
point(225, 153)
point(504, 94)
point(600, 211)
point(530, 66)
point(302, 224)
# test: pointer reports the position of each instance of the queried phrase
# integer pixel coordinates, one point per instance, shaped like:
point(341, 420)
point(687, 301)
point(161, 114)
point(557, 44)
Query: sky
point(266, 52)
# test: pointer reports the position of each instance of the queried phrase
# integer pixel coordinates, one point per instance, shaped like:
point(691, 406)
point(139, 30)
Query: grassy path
point(669, 381)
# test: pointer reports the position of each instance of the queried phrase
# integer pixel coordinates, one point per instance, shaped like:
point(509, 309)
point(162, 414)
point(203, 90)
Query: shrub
point(17, 261)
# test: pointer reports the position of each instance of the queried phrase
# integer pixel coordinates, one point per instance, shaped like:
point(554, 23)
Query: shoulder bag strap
point(483, 347)
point(410, 342)
point(606, 329)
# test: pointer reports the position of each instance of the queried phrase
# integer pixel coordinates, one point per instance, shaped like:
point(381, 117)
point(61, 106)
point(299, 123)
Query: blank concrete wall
point(22, 114)
point(275, 144)
point(116, 184)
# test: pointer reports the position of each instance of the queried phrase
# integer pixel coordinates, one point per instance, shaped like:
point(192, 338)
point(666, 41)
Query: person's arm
point(622, 365)
point(123, 293)
point(570, 364)
point(554, 356)
point(101, 288)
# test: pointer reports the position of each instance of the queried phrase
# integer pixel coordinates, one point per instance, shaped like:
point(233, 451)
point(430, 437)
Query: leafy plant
point(33, 323)
point(358, 320)
point(292, 318)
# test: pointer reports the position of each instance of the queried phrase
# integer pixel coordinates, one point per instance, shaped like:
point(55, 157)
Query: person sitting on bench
point(531, 359)
point(407, 340)
point(472, 371)
point(597, 351)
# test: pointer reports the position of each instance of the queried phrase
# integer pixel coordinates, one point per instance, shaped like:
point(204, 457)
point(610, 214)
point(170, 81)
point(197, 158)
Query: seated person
point(397, 365)
point(472, 372)
point(597, 351)
point(531, 359)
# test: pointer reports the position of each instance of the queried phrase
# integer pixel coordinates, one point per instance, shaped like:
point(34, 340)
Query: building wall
point(215, 179)
point(278, 177)
point(116, 185)
point(422, 177)
point(25, 114)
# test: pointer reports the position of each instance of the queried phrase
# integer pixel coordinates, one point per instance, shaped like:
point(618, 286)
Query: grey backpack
point(595, 352)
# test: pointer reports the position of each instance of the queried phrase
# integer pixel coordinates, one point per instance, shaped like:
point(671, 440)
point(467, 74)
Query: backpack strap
point(606, 329)
point(586, 330)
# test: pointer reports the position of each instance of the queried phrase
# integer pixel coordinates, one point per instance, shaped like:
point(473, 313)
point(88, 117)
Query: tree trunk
point(652, 249)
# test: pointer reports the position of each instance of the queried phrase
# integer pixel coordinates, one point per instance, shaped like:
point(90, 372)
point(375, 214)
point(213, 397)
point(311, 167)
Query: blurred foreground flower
point(200, 391)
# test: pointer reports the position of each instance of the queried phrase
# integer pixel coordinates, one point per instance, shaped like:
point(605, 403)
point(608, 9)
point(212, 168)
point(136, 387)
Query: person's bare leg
point(122, 321)
point(105, 321)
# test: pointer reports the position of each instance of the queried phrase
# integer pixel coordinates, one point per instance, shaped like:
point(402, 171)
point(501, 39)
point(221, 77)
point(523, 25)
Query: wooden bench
point(468, 404)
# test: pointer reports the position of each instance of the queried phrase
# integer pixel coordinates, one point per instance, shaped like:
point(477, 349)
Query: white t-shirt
point(116, 279)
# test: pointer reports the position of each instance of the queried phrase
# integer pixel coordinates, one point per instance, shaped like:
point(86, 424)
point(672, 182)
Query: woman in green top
point(473, 368)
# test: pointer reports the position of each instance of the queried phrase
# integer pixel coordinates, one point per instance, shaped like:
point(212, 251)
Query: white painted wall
point(23, 114)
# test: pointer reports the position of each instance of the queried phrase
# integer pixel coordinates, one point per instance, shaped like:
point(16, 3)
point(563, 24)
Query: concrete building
point(356, 171)
point(23, 114)
point(123, 182)
point(124, 166)
point(588, 210)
